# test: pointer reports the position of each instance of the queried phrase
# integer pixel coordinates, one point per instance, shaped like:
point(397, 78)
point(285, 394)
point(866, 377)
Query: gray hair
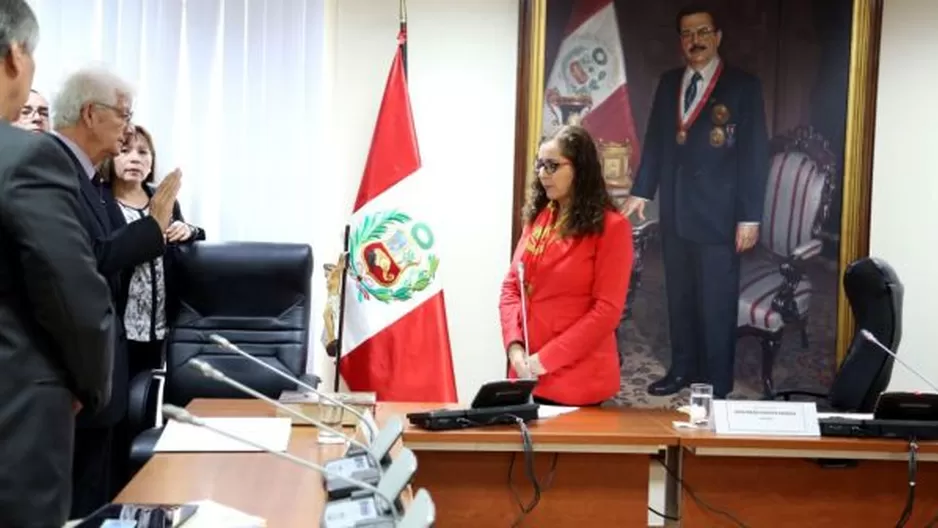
point(88, 85)
point(18, 25)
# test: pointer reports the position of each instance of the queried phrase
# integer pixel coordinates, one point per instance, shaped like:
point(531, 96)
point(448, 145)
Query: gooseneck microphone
point(524, 316)
point(181, 415)
point(872, 339)
point(380, 442)
point(215, 374)
point(227, 345)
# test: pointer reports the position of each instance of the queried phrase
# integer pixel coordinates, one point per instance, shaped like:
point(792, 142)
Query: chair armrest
point(787, 394)
point(310, 379)
point(141, 405)
point(142, 447)
point(809, 249)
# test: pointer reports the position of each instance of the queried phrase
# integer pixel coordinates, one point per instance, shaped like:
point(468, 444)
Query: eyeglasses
point(549, 166)
point(700, 33)
point(27, 112)
point(126, 115)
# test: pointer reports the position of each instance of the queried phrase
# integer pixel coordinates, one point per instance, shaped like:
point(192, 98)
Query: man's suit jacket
point(115, 250)
point(57, 328)
point(707, 190)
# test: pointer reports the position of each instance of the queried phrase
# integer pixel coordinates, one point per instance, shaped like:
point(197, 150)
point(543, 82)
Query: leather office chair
point(875, 295)
point(256, 295)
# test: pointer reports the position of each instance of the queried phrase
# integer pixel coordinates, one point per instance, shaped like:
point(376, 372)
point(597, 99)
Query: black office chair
point(254, 294)
point(875, 295)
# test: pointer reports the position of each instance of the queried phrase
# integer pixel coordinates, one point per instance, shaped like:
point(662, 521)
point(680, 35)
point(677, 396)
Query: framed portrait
point(785, 89)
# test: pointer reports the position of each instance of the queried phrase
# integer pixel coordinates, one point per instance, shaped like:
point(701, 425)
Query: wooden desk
point(778, 482)
point(600, 478)
point(256, 483)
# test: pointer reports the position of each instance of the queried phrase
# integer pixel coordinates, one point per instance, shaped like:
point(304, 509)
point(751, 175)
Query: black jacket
point(57, 327)
point(116, 249)
point(118, 220)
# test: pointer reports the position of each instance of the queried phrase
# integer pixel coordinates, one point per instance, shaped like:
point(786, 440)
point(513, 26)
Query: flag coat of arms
point(587, 84)
point(395, 340)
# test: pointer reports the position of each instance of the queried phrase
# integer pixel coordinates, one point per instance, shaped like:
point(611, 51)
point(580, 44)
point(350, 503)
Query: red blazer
point(577, 300)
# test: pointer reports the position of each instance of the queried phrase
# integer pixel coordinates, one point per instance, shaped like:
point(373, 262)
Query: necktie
point(691, 92)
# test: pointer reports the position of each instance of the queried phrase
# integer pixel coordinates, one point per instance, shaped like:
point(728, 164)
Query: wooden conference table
point(600, 461)
point(782, 482)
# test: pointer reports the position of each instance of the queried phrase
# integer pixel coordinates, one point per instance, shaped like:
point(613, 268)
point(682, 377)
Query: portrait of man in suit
point(721, 128)
point(706, 153)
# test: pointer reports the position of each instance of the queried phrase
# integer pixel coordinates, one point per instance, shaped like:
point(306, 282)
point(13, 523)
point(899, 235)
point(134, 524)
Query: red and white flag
point(396, 341)
point(588, 79)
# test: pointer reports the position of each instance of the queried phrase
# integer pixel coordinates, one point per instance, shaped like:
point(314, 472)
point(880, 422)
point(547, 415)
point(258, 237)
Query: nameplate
point(765, 418)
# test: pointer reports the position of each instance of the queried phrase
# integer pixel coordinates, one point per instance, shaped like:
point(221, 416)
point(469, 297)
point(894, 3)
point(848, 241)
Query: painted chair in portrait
point(775, 291)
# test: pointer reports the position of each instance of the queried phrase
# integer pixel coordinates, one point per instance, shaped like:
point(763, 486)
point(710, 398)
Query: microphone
point(524, 311)
point(394, 423)
point(872, 339)
point(380, 442)
point(363, 466)
point(421, 513)
point(376, 501)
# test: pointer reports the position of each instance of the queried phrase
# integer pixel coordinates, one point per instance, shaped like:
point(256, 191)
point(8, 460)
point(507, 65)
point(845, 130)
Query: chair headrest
point(216, 278)
point(870, 277)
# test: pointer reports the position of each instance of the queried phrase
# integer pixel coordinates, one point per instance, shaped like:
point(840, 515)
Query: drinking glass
point(701, 405)
point(331, 415)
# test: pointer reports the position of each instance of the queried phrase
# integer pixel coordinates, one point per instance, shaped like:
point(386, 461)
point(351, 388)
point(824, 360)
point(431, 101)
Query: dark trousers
point(702, 283)
point(142, 356)
point(92, 470)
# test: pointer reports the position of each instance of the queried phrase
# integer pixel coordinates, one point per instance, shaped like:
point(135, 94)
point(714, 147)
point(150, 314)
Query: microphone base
point(355, 512)
point(354, 451)
point(356, 467)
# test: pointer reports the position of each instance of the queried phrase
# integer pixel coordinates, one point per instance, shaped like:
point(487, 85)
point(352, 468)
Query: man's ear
point(84, 115)
point(13, 60)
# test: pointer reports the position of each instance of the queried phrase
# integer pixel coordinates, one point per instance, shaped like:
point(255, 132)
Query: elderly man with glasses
point(91, 118)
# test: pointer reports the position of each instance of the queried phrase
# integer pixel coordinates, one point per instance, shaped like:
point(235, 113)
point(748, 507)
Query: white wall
point(461, 69)
point(905, 177)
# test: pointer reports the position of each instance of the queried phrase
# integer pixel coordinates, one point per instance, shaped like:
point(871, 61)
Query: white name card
point(768, 418)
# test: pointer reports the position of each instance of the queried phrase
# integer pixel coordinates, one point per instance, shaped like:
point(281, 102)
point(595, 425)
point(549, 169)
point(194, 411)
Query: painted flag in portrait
point(396, 342)
point(587, 85)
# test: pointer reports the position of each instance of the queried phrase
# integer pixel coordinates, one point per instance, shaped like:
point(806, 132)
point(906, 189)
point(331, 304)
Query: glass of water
point(701, 405)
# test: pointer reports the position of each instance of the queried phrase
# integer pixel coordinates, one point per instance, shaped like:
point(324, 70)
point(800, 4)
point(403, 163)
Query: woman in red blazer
point(576, 252)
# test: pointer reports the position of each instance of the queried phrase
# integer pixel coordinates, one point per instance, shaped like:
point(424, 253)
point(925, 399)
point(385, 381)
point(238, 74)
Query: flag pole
point(403, 35)
point(341, 330)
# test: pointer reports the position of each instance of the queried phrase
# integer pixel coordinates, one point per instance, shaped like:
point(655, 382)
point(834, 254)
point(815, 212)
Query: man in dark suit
point(56, 317)
point(706, 149)
point(91, 118)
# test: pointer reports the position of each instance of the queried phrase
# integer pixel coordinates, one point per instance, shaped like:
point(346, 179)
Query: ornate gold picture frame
point(854, 170)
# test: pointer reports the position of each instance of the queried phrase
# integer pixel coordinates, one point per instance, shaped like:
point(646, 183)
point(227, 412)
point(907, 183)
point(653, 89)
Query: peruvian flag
point(395, 340)
point(588, 79)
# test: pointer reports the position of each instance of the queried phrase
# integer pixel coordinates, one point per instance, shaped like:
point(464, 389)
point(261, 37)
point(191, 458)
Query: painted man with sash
point(706, 152)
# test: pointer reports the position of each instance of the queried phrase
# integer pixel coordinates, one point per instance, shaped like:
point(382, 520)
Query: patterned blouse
point(145, 315)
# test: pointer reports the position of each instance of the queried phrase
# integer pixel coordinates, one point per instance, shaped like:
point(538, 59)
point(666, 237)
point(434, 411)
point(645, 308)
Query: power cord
point(910, 497)
point(664, 515)
point(538, 486)
point(700, 502)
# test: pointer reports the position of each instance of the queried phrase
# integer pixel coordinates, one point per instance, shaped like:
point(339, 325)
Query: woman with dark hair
point(576, 254)
point(143, 303)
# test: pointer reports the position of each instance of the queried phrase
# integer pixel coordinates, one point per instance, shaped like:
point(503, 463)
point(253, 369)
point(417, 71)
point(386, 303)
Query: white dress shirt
point(706, 75)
